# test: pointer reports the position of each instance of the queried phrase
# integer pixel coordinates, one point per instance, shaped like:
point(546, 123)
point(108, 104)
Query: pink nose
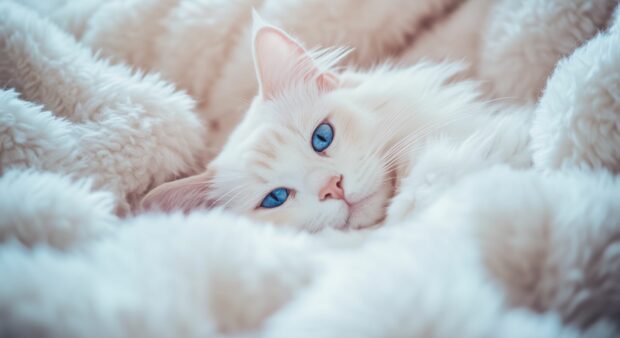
point(332, 189)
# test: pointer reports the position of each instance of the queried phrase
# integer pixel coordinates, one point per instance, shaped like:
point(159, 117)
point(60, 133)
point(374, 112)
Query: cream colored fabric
point(500, 253)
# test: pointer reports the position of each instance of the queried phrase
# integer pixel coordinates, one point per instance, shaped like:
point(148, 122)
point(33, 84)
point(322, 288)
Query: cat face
point(309, 164)
point(304, 155)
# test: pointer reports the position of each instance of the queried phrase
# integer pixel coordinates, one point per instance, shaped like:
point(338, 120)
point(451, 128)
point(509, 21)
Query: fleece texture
point(65, 110)
point(88, 125)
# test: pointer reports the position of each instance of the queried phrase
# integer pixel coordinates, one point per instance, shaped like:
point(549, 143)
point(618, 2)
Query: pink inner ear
point(184, 194)
point(274, 45)
point(275, 57)
point(280, 61)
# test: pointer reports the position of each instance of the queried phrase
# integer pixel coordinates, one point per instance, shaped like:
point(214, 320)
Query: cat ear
point(184, 194)
point(279, 60)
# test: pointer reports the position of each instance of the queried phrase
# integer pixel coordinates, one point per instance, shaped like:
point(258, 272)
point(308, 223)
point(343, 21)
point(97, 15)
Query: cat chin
point(360, 221)
point(366, 212)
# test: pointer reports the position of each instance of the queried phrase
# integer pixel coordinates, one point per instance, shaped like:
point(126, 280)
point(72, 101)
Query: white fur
point(152, 279)
point(31, 137)
point(208, 57)
point(443, 162)
point(495, 252)
point(436, 288)
point(457, 36)
point(377, 130)
point(44, 208)
point(512, 46)
point(73, 17)
point(375, 31)
point(525, 39)
point(578, 119)
point(127, 131)
point(195, 280)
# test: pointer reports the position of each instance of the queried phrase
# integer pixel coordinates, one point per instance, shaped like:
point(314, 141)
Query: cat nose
point(332, 189)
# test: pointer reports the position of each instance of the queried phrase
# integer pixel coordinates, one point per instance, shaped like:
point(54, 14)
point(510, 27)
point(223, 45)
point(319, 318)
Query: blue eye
point(322, 137)
point(275, 198)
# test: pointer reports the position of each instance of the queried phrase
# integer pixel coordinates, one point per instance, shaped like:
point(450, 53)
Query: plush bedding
point(103, 100)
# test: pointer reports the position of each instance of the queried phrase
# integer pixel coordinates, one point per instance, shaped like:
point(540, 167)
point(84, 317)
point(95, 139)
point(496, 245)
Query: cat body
point(378, 122)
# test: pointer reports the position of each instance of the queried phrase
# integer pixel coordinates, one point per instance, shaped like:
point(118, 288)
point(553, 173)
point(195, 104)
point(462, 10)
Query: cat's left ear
point(280, 61)
point(184, 194)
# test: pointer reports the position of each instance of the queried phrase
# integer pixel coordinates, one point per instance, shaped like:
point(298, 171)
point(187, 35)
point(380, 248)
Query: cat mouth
point(352, 208)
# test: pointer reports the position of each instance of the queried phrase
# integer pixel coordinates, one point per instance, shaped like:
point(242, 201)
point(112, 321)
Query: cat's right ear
point(280, 60)
point(184, 194)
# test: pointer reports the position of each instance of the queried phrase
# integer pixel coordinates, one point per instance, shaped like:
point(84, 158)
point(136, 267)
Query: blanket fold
point(88, 126)
point(126, 130)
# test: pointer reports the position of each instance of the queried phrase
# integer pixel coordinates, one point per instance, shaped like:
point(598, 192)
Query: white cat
point(320, 148)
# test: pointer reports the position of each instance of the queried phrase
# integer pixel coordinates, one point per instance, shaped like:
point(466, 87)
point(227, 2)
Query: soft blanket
point(88, 127)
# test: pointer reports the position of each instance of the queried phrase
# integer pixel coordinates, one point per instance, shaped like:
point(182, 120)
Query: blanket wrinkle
point(208, 57)
point(127, 130)
point(91, 119)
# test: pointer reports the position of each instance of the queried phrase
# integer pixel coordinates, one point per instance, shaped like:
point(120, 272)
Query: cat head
point(306, 153)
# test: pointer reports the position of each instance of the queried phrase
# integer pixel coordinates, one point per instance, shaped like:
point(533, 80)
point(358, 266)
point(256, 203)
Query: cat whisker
point(410, 145)
point(232, 198)
point(234, 191)
point(403, 146)
point(391, 163)
point(419, 135)
point(500, 99)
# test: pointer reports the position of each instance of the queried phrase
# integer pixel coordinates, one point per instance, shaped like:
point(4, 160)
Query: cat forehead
point(262, 146)
point(285, 119)
point(274, 141)
point(271, 156)
point(275, 137)
point(298, 103)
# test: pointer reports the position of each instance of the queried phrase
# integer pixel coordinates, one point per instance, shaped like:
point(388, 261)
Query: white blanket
point(502, 253)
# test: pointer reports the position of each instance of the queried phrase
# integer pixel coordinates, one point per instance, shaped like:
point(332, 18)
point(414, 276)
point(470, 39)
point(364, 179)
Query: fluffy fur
point(298, 90)
point(579, 113)
point(448, 261)
point(193, 280)
point(64, 110)
point(81, 215)
point(208, 57)
point(495, 252)
point(512, 46)
point(517, 62)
